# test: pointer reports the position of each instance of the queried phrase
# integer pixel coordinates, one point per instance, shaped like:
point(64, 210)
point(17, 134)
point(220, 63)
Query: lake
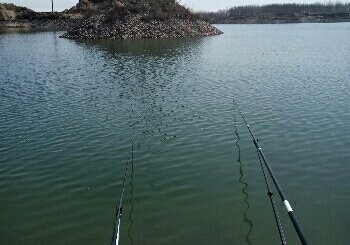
point(73, 113)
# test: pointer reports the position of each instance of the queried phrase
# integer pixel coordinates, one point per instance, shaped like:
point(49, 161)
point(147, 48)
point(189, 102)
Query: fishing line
point(245, 184)
point(131, 184)
point(291, 214)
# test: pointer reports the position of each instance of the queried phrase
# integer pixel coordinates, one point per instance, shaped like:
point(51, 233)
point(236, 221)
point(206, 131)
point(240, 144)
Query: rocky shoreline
point(135, 27)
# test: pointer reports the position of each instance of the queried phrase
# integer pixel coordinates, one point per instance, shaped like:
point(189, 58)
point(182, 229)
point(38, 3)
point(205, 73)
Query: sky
point(196, 5)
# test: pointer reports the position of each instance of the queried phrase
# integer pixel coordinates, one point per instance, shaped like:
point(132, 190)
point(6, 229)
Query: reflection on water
point(241, 180)
point(16, 30)
point(144, 47)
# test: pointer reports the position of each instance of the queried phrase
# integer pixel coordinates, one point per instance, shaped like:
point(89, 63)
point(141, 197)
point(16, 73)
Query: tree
point(52, 6)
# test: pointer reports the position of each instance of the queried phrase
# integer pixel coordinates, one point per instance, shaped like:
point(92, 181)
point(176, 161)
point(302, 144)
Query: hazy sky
point(210, 5)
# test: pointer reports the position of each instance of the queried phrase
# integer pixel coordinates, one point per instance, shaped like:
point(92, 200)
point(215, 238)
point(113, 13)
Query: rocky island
point(124, 19)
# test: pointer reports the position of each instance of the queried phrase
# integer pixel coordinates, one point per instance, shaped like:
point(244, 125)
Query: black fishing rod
point(269, 192)
point(116, 232)
point(273, 203)
point(291, 214)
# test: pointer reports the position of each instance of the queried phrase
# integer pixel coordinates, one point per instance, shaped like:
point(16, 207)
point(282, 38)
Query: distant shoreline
point(284, 19)
point(280, 14)
point(64, 24)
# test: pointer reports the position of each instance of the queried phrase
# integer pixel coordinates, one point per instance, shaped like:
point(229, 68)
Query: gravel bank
point(97, 28)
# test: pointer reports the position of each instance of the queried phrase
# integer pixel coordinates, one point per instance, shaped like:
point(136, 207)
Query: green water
point(71, 112)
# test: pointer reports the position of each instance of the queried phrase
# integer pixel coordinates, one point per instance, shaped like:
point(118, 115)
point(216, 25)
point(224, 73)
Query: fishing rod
point(116, 232)
point(286, 203)
point(269, 193)
point(273, 203)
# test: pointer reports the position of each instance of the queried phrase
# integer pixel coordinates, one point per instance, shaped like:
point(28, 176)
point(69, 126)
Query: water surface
point(73, 113)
